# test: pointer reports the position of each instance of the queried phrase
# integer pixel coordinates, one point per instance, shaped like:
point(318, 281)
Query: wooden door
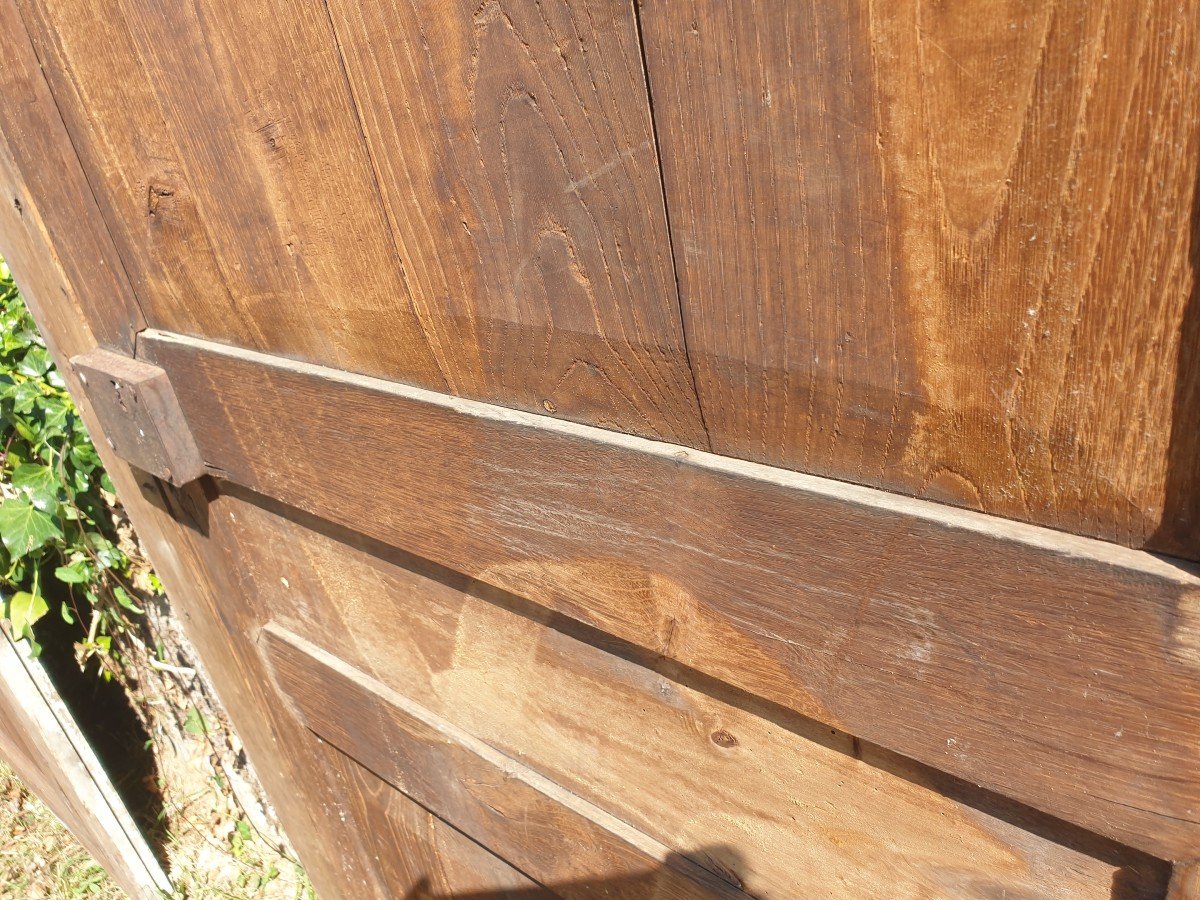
point(662, 449)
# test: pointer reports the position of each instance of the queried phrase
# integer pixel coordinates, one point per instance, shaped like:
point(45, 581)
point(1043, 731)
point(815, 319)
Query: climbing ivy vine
point(59, 551)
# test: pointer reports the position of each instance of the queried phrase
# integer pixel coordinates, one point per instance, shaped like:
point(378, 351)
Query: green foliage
point(55, 499)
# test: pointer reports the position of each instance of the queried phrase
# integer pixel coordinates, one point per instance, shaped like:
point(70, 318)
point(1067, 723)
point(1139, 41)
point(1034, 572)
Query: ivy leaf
point(24, 430)
point(106, 551)
point(25, 396)
point(38, 483)
point(24, 528)
point(35, 363)
point(75, 573)
point(125, 600)
point(23, 609)
point(195, 723)
point(54, 414)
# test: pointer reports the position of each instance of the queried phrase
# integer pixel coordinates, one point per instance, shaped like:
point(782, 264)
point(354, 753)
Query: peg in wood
point(140, 415)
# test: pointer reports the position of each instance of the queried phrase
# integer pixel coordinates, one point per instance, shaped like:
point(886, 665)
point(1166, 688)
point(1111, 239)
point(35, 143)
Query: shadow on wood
point(632, 886)
point(1180, 528)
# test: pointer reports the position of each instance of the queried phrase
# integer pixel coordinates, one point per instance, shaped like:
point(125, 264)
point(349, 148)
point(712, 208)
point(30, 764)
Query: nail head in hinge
point(140, 415)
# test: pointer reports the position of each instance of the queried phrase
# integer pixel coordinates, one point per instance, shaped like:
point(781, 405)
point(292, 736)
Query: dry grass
point(210, 856)
point(38, 856)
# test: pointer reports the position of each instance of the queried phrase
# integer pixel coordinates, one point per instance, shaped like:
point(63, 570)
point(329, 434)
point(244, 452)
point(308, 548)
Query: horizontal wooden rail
point(1065, 672)
point(489, 796)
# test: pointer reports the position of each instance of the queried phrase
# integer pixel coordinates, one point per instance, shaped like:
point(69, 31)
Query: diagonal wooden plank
point(40, 740)
point(490, 796)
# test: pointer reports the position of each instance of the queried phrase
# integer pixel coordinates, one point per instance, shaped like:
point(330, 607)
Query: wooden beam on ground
point(44, 746)
point(1065, 671)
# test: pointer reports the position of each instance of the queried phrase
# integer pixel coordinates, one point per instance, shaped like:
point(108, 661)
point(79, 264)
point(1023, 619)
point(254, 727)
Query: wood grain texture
point(186, 540)
point(559, 838)
point(419, 857)
point(782, 805)
point(44, 746)
point(49, 194)
point(140, 414)
point(1185, 882)
point(224, 149)
point(518, 250)
point(1063, 670)
point(513, 146)
point(945, 249)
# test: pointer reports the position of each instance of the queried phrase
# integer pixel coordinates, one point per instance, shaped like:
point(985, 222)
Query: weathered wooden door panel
point(891, 271)
point(851, 606)
point(474, 650)
point(945, 249)
point(550, 833)
point(686, 768)
point(549, 286)
point(411, 852)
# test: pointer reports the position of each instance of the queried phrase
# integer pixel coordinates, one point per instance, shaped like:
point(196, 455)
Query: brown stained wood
point(775, 802)
point(419, 856)
point(37, 160)
point(1063, 671)
point(518, 251)
point(140, 415)
point(945, 249)
point(515, 156)
point(187, 539)
point(1185, 882)
point(224, 149)
point(44, 746)
point(556, 837)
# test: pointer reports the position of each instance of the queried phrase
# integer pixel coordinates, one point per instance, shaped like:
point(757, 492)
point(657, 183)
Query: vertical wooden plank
point(224, 142)
point(513, 146)
point(185, 537)
point(39, 157)
point(945, 249)
point(518, 251)
point(1185, 882)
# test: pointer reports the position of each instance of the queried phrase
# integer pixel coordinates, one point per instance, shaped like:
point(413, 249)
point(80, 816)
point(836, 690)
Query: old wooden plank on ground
point(1063, 669)
point(44, 746)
